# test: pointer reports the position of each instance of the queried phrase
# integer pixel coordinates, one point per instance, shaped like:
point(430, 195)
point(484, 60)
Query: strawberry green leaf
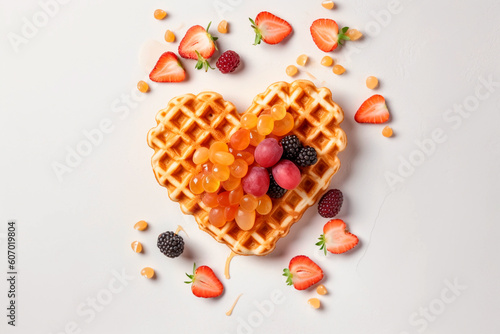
point(288, 275)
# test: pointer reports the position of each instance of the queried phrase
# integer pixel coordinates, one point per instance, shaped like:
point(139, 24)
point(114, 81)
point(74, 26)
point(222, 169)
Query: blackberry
point(291, 146)
point(275, 191)
point(170, 244)
point(329, 205)
point(307, 157)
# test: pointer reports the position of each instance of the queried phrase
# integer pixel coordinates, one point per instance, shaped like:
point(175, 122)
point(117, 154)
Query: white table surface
point(438, 226)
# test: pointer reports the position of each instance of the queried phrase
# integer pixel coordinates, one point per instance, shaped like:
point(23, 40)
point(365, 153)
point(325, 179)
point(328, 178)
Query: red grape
point(286, 174)
point(268, 152)
point(256, 182)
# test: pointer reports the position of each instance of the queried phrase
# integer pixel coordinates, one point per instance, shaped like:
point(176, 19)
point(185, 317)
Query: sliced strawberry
point(335, 238)
point(168, 69)
point(270, 28)
point(326, 36)
point(198, 44)
point(302, 272)
point(374, 110)
point(204, 283)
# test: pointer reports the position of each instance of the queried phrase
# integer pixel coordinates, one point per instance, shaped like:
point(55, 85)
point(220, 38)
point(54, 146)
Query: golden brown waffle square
point(189, 122)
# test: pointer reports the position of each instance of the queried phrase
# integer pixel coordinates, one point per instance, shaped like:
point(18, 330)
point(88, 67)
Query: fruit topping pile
point(261, 161)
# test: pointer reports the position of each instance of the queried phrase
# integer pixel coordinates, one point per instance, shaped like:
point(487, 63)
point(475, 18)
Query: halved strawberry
point(374, 110)
point(302, 272)
point(168, 69)
point(198, 44)
point(270, 28)
point(335, 238)
point(204, 283)
point(325, 34)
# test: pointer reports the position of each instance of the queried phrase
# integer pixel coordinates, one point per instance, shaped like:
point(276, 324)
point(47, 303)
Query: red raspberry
point(329, 205)
point(228, 61)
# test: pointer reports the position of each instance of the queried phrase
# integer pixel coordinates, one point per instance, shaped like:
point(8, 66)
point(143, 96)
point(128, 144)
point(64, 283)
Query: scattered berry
point(141, 225)
point(387, 132)
point(204, 283)
point(330, 203)
point(148, 272)
point(160, 14)
point(270, 28)
point(275, 191)
point(371, 82)
point(314, 302)
point(354, 34)
point(338, 69)
point(142, 86)
point(302, 272)
point(168, 69)
point(136, 246)
point(326, 36)
point(268, 152)
point(307, 157)
point(170, 244)
point(291, 146)
point(321, 290)
point(335, 238)
point(291, 70)
point(374, 110)
point(286, 174)
point(222, 27)
point(228, 62)
point(198, 44)
point(256, 182)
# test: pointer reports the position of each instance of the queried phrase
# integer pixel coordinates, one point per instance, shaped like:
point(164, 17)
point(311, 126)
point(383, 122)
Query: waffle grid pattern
point(191, 121)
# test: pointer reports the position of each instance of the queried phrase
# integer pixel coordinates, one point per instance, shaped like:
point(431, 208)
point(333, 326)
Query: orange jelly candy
point(223, 158)
point(245, 220)
point(223, 199)
point(216, 147)
point(255, 137)
point(200, 156)
point(248, 121)
point(230, 212)
point(240, 139)
point(248, 203)
point(239, 168)
point(231, 183)
point(220, 172)
point(245, 156)
point(236, 195)
point(210, 184)
point(282, 127)
point(196, 184)
point(265, 124)
point(265, 205)
point(216, 217)
point(210, 200)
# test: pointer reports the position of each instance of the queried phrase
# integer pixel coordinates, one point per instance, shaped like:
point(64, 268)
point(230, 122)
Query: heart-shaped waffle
point(190, 121)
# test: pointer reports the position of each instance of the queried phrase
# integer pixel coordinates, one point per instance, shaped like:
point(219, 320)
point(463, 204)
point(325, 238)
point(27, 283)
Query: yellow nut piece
point(354, 34)
point(142, 86)
point(291, 70)
point(136, 246)
point(327, 61)
point(328, 4)
point(302, 60)
point(387, 132)
point(338, 69)
point(314, 302)
point(321, 290)
point(141, 225)
point(371, 82)
point(169, 36)
point(160, 14)
point(148, 272)
point(222, 27)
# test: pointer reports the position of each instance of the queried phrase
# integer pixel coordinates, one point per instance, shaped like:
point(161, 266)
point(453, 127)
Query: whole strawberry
point(329, 205)
point(228, 62)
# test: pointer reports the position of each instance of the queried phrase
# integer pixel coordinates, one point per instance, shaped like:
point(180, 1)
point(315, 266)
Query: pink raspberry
point(228, 61)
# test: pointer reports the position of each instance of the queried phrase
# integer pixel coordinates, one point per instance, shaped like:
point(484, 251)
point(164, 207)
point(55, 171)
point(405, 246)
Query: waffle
point(189, 122)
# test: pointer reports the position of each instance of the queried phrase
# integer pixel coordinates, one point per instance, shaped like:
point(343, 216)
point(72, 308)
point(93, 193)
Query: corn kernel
point(387, 132)
point(222, 27)
point(169, 36)
point(142, 86)
point(371, 82)
point(302, 60)
point(160, 14)
point(328, 4)
point(338, 69)
point(354, 34)
point(291, 70)
point(327, 61)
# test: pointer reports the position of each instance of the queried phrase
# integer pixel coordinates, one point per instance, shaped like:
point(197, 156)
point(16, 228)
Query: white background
point(438, 224)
